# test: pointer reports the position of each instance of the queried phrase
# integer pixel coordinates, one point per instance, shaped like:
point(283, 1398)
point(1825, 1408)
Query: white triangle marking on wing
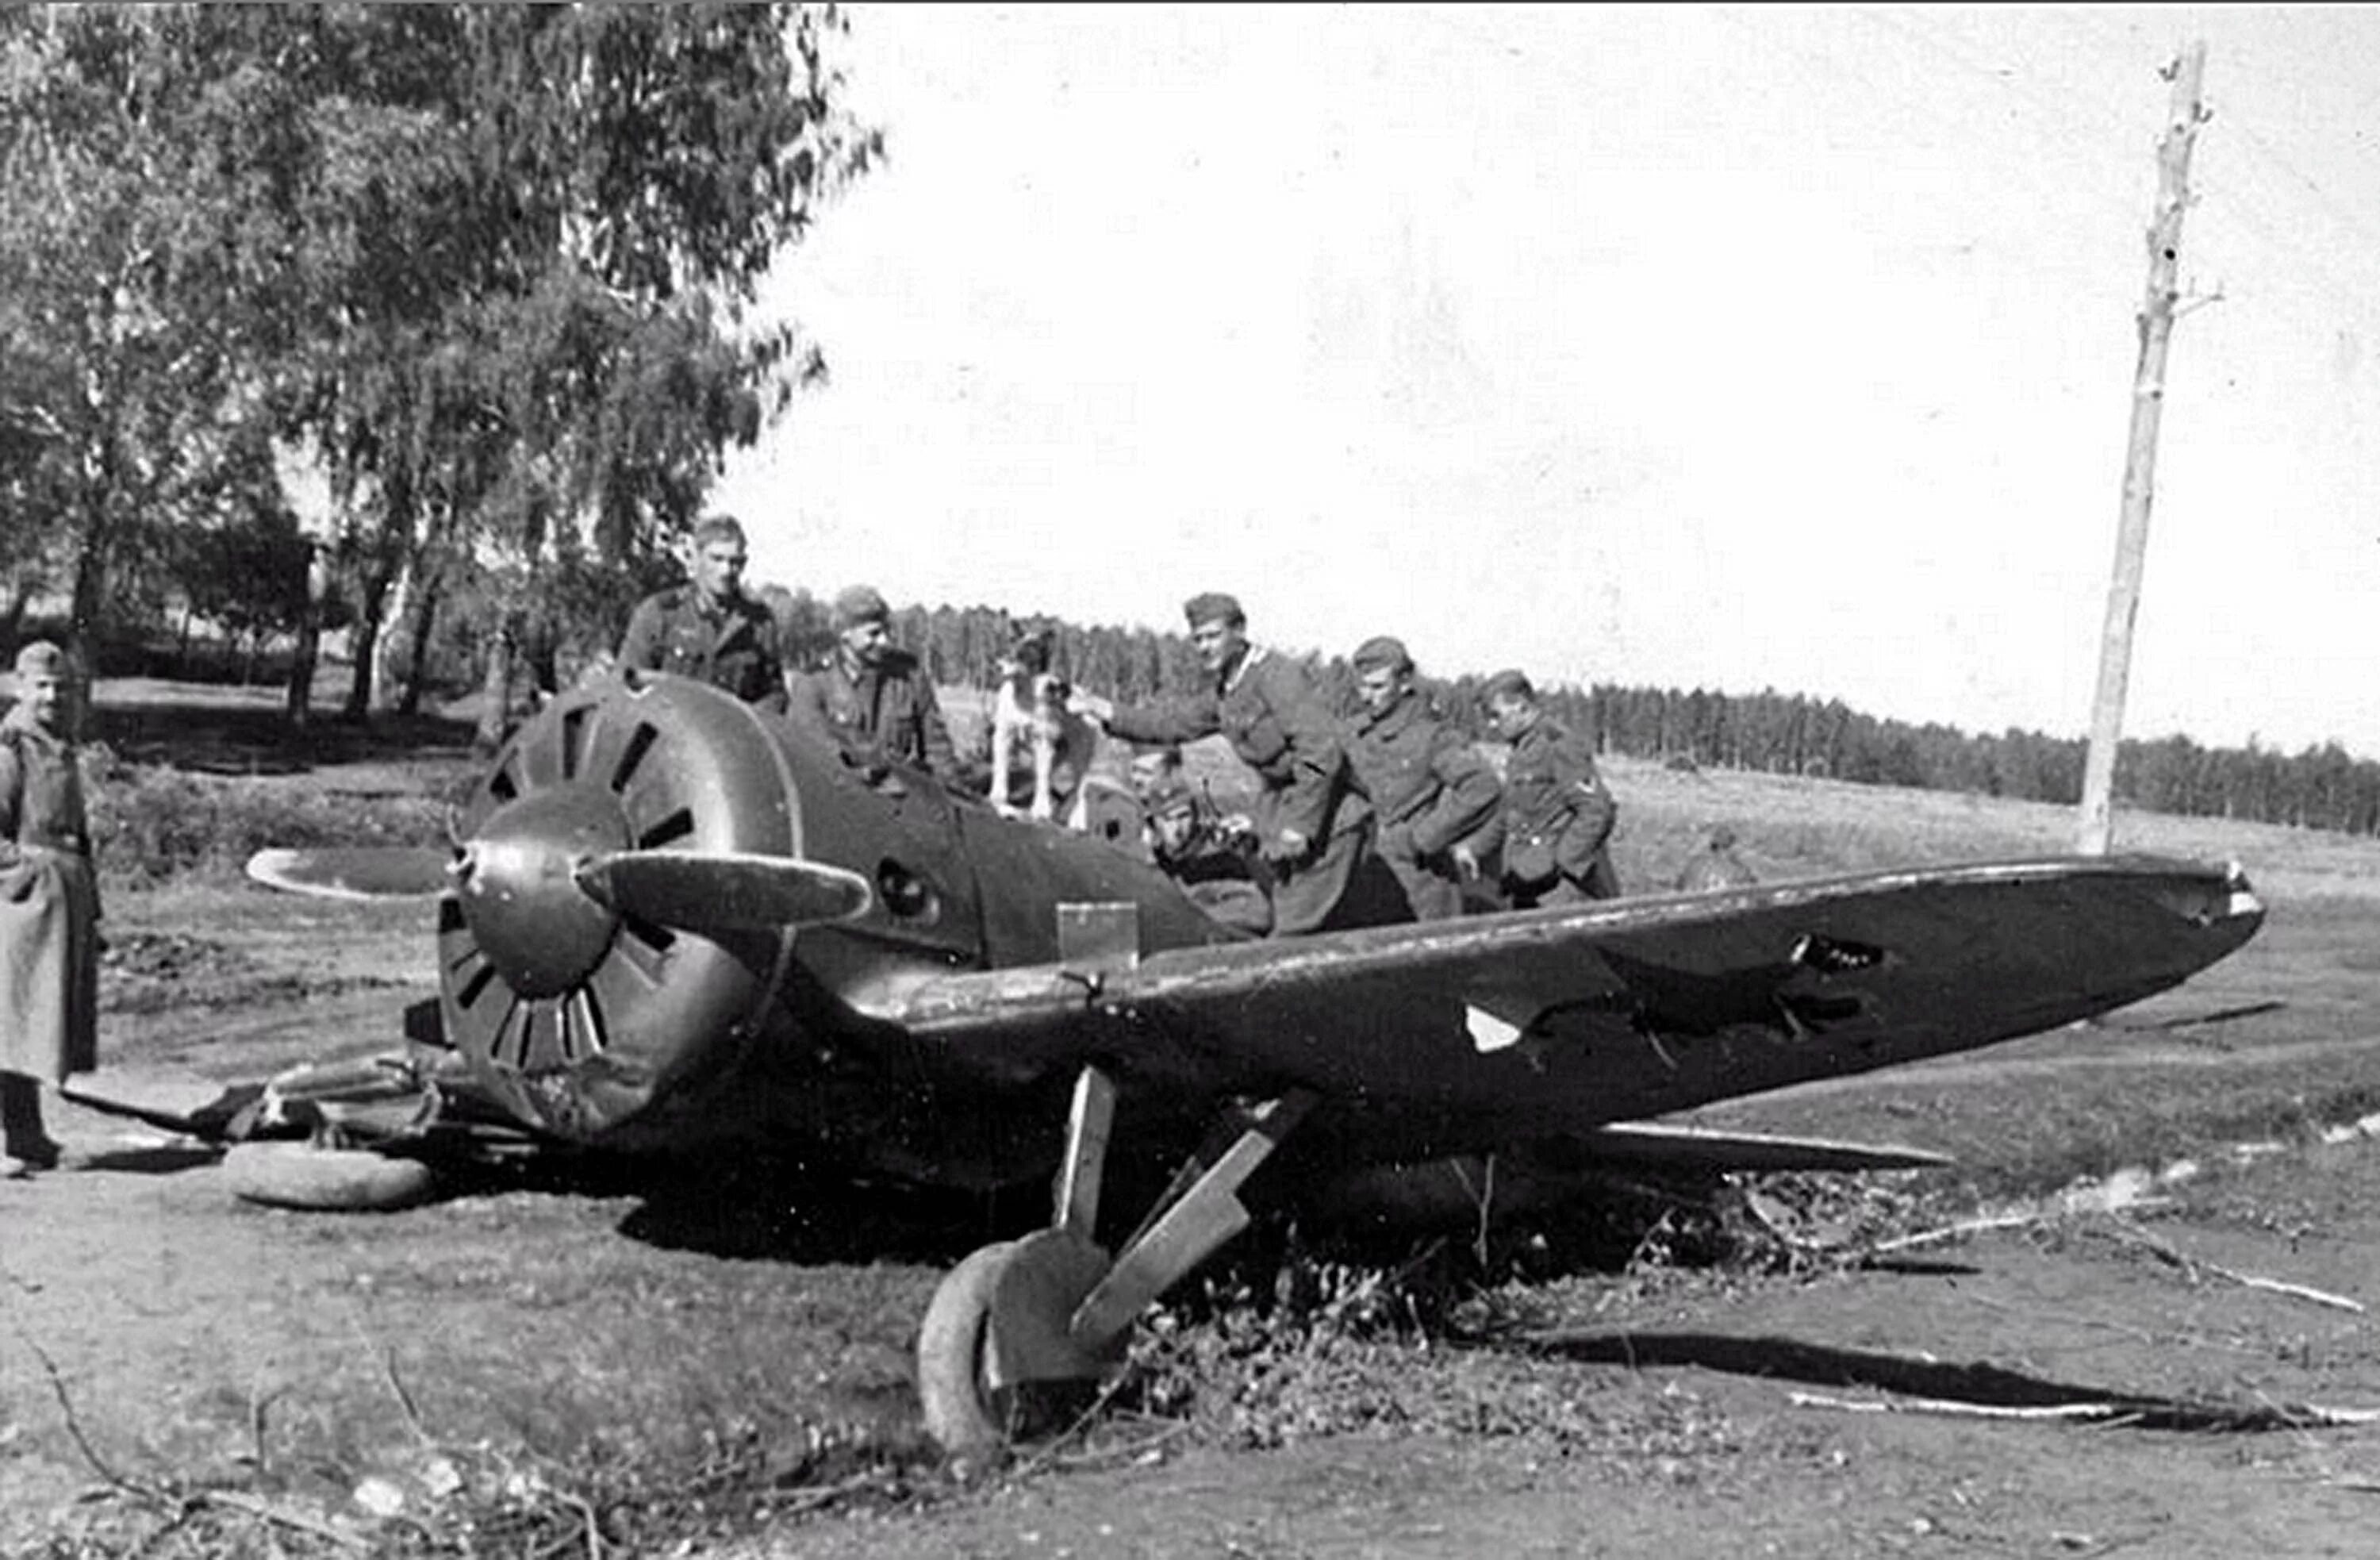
point(1487, 1032)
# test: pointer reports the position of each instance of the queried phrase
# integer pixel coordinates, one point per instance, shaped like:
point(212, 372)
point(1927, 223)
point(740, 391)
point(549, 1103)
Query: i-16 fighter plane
point(673, 917)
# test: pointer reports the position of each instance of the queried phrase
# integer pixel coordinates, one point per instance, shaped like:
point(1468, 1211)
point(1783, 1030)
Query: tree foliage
point(495, 267)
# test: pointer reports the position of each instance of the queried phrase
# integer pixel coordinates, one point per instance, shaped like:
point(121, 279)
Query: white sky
point(1682, 344)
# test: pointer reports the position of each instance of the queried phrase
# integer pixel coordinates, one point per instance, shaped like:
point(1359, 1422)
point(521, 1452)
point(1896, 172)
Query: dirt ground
point(337, 1377)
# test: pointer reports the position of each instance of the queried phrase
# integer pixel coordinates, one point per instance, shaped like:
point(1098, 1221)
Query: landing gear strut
point(1053, 1308)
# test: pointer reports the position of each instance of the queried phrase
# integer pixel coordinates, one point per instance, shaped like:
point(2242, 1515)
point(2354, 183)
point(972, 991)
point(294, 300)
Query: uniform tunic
point(1270, 712)
point(1558, 821)
point(887, 711)
point(49, 907)
point(1429, 792)
point(730, 644)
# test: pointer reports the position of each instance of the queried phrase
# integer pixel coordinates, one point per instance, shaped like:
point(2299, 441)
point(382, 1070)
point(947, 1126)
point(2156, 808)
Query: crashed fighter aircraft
point(672, 917)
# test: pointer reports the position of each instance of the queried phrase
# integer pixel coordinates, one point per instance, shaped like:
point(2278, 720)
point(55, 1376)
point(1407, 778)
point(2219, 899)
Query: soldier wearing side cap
point(1434, 801)
point(871, 696)
point(1557, 816)
point(710, 629)
point(49, 910)
point(1313, 824)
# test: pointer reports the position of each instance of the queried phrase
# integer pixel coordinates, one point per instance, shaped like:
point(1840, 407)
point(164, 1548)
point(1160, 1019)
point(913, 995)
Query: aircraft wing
point(1470, 1033)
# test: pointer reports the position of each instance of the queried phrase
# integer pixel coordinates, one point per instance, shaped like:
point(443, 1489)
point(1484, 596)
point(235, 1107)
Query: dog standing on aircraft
point(1031, 727)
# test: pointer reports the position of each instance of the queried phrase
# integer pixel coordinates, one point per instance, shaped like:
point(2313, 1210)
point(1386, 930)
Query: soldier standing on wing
point(1557, 816)
point(1313, 825)
point(1431, 793)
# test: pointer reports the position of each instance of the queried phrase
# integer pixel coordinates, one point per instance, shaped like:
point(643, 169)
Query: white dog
point(1031, 723)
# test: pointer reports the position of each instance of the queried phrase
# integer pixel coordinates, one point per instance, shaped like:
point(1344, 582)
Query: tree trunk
point(308, 648)
point(376, 582)
point(20, 599)
point(417, 670)
point(90, 589)
point(390, 647)
point(303, 655)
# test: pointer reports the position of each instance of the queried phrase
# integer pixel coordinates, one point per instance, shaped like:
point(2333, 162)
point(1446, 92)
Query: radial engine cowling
point(590, 1022)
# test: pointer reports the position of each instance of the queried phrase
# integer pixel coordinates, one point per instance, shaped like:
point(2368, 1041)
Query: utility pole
point(2188, 111)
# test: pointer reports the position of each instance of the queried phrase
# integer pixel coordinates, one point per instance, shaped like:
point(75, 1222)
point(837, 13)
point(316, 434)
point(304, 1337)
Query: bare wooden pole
point(2188, 75)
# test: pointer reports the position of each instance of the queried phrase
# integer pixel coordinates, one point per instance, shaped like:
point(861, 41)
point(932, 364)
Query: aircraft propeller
point(694, 890)
point(707, 891)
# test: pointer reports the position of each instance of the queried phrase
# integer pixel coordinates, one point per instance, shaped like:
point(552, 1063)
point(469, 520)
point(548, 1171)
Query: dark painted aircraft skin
point(936, 1032)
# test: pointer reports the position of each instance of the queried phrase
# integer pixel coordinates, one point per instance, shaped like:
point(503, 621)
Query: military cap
point(41, 659)
point(1382, 649)
point(1510, 684)
point(859, 603)
point(1214, 606)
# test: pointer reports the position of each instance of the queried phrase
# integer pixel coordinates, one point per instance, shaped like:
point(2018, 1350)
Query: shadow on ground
point(1977, 1385)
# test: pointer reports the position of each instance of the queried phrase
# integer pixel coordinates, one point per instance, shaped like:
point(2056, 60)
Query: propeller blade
point(364, 871)
point(704, 891)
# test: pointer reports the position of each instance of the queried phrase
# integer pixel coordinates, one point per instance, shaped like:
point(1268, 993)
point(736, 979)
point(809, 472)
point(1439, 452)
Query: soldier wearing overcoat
point(1557, 816)
point(1429, 791)
point(49, 910)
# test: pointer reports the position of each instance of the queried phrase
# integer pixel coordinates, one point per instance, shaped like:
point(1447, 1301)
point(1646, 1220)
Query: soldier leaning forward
point(1430, 792)
point(1557, 816)
point(1313, 825)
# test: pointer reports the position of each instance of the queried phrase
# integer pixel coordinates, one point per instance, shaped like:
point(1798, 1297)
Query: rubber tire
point(284, 1175)
point(950, 1359)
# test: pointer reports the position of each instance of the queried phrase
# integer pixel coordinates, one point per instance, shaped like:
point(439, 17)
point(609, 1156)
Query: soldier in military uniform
point(1429, 791)
point(1716, 865)
point(1313, 825)
point(1206, 855)
point(49, 911)
point(872, 697)
point(1557, 816)
point(711, 629)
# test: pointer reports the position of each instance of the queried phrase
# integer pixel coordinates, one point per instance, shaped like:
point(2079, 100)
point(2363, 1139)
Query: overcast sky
point(1682, 344)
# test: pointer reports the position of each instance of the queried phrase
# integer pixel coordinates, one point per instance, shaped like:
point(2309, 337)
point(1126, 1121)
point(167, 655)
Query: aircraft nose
point(519, 891)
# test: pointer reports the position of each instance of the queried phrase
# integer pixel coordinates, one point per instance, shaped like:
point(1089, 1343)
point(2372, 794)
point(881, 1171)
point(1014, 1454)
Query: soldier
point(711, 629)
point(1716, 865)
point(1429, 791)
point(871, 696)
point(49, 911)
point(1205, 856)
point(1312, 824)
point(1558, 817)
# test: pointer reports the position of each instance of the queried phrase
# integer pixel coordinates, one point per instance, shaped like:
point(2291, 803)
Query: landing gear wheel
point(995, 1361)
point(286, 1175)
point(961, 1414)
